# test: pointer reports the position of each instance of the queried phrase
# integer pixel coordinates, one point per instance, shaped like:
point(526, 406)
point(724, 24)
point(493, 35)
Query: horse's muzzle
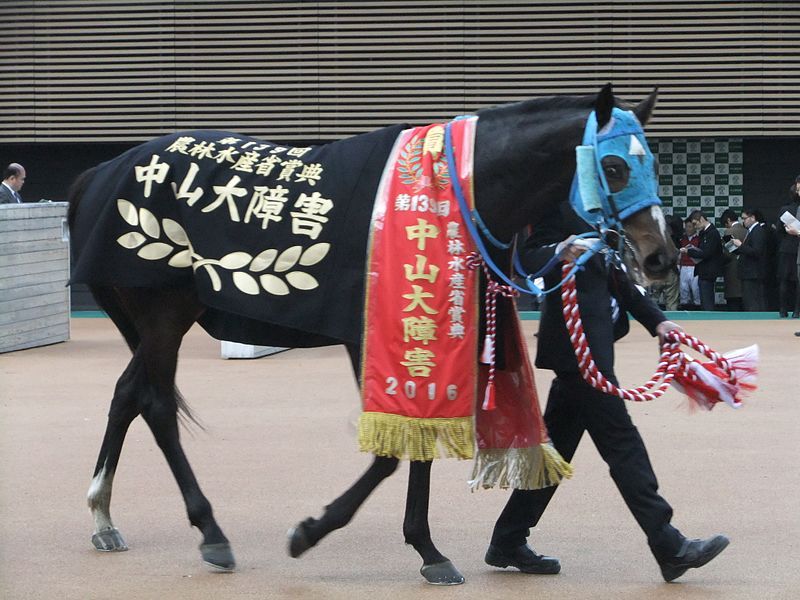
point(658, 264)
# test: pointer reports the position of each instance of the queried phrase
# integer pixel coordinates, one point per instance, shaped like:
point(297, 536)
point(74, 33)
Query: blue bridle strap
point(471, 216)
point(485, 231)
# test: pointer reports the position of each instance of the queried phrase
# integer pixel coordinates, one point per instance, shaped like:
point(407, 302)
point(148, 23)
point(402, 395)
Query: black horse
point(524, 163)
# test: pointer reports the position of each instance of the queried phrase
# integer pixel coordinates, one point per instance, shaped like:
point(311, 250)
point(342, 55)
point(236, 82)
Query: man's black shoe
point(797, 333)
point(695, 553)
point(524, 559)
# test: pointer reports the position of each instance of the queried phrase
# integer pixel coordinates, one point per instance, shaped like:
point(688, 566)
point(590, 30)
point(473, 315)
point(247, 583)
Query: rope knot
point(500, 288)
point(474, 261)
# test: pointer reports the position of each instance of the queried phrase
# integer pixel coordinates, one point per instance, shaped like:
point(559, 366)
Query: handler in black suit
point(752, 262)
point(604, 295)
point(710, 256)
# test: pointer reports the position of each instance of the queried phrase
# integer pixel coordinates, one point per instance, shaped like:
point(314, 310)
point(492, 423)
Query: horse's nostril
point(658, 262)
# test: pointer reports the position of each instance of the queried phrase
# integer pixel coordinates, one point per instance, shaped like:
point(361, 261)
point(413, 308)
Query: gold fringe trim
point(383, 434)
point(520, 468)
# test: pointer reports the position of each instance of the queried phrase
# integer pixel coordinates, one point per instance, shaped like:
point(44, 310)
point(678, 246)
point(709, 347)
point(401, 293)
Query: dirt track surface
point(279, 444)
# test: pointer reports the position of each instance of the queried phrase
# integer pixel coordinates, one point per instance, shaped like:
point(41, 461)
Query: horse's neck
point(522, 173)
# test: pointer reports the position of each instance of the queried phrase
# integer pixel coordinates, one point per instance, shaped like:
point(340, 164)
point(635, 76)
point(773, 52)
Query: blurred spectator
point(752, 261)
point(13, 180)
point(708, 256)
point(788, 288)
point(733, 230)
point(771, 263)
point(795, 231)
point(689, 286)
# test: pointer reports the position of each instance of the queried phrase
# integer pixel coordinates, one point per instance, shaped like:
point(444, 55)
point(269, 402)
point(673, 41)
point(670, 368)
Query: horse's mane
point(546, 104)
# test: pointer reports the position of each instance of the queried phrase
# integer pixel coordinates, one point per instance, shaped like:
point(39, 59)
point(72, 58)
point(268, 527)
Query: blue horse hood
point(590, 195)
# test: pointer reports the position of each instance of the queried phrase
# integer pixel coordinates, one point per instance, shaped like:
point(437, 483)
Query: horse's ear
point(603, 105)
point(644, 109)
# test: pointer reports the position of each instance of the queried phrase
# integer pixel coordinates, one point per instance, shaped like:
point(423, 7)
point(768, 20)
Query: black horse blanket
point(274, 238)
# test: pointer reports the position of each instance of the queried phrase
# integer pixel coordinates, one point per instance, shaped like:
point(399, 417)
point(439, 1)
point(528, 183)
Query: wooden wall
point(34, 269)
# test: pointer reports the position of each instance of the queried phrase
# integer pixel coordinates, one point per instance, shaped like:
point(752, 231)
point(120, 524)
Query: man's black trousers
point(572, 408)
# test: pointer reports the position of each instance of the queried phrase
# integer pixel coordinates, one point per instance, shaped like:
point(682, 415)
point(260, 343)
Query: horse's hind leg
point(123, 411)
point(163, 318)
point(436, 568)
point(338, 513)
point(153, 323)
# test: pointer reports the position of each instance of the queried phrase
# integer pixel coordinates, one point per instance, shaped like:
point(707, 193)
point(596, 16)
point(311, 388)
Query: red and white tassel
point(706, 384)
point(488, 354)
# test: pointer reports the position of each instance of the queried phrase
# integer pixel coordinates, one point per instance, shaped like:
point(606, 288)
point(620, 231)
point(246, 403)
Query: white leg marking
point(99, 499)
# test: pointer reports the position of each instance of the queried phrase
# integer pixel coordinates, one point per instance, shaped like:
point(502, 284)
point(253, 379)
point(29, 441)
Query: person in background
point(733, 230)
point(752, 261)
point(689, 286)
point(788, 287)
point(708, 255)
point(13, 180)
point(795, 231)
point(771, 274)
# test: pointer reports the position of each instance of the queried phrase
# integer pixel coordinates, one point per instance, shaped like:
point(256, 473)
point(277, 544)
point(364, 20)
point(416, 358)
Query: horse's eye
point(616, 172)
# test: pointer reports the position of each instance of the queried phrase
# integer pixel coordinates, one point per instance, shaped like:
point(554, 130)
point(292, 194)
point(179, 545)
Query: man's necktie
point(18, 197)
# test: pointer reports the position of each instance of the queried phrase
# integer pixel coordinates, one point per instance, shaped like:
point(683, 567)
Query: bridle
point(592, 199)
point(590, 196)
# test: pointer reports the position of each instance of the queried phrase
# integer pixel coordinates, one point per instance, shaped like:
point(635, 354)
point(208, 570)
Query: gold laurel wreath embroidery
point(409, 165)
point(242, 278)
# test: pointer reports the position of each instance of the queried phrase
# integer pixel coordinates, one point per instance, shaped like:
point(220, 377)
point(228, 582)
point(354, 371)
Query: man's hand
point(569, 252)
point(792, 230)
point(665, 327)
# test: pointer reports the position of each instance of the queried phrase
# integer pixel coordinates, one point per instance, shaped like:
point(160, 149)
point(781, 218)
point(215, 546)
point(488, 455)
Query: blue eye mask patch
point(590, 195)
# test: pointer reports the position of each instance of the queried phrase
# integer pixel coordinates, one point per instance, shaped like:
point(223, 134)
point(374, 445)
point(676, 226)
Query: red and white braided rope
point(474, 261)
point(672, 361)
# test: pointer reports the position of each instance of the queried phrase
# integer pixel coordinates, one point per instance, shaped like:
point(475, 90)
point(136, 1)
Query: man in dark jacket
point(752, 262)
point(733, 285)
point(605, 295)
point(13, 180)
point(788, 287)
point(709, 257)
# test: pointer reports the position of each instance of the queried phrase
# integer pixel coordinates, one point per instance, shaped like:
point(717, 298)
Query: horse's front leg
point(338, 513)
point(436, 568)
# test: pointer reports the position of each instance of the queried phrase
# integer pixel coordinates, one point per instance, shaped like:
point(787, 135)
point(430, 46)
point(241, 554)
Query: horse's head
point(525, 160)
point(617, 183)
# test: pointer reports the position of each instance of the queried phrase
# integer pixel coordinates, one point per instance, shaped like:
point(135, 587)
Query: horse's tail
point(108, 299)
point(75, 193)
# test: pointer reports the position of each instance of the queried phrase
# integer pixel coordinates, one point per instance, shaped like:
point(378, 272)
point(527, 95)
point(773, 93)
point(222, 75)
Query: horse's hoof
point(109, 540)
point(443, 573)
point(298, 540)
point(218, 556)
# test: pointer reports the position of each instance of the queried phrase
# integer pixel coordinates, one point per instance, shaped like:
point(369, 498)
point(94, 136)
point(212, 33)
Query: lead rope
point(673, 362)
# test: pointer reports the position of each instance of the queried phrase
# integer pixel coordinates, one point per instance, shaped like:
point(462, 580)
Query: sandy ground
point(279, 444)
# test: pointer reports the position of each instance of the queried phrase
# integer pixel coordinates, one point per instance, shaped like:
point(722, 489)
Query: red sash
point(420, 343)
point(420, 360)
